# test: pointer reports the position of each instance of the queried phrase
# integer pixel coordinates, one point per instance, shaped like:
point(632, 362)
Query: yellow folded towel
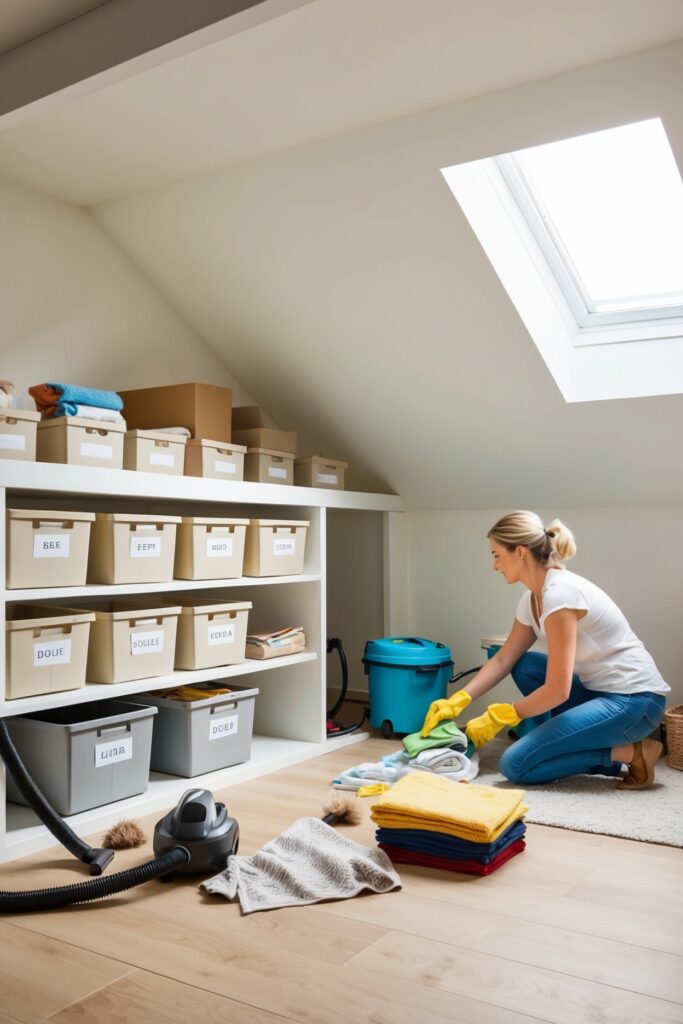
point(424, 801)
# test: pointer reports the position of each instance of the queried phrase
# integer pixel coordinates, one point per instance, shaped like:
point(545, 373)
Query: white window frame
point(587, 363)
point(631, 322)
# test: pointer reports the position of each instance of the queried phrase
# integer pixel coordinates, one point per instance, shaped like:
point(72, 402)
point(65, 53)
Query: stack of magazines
point(289, 640)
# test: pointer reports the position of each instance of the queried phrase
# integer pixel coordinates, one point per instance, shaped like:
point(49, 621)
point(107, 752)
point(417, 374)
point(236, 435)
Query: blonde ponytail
point(550, 546)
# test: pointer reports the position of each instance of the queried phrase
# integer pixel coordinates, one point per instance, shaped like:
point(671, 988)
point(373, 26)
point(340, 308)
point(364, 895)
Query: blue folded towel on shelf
point(71, 395)
point(439, 844)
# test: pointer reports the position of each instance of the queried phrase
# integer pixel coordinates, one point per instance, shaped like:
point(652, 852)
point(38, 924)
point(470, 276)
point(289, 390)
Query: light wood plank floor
point(579, 928)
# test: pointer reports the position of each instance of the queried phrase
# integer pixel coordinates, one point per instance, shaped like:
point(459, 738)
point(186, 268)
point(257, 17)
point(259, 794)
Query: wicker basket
point(673, 720)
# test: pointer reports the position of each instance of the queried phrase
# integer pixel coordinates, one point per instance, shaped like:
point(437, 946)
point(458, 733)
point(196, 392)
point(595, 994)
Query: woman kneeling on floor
point(587, 706)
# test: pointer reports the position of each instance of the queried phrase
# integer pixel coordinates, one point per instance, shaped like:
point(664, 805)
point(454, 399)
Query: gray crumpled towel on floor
point(307, 863)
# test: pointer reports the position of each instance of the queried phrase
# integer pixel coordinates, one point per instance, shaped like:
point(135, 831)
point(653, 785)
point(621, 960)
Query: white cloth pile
point(444, 761)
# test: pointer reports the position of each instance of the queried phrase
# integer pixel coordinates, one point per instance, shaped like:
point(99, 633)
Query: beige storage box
point(275, 547)
point(249, 427)
point(81, 442)
point(211, 633)
point(47, 549)
point(128, 548)
point(209, 548)
point(203, 409)
point(131, 640)
point(261, 465)
point(148, 451)
point(46, 649)
point(215, 460)
point(18, 429)
point(317, 471)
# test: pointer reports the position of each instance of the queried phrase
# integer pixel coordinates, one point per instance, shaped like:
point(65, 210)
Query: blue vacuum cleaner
point(197, 836)
point(405, 674)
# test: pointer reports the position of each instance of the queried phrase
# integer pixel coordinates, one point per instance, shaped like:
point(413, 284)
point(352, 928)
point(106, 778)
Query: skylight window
point(607, 211)
point(586, 236)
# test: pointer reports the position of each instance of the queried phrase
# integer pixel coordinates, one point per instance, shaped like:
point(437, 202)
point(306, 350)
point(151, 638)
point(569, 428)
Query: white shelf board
point(120, 589)
point(104, 691)
point(26, 835)
point(90, 481)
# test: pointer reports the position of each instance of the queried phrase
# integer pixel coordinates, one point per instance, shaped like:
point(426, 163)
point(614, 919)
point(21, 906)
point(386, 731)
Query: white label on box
point(148, 642)
point(284, 545)
point(97, 451)
point(144, 546)
point(223, 466)
point(221, 727)
point(161, 459)
point(17, 442)
point(218, 547)
point(51, 545)
point(113, 750)
point(52, 652)
point(276, 471)
point(326, 478)
point(221, 633)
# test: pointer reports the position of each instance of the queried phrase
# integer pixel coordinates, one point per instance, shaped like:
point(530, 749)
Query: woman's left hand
point(496, 717)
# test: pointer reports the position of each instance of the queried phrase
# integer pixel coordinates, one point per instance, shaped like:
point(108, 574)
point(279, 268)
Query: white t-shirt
point(609, 656)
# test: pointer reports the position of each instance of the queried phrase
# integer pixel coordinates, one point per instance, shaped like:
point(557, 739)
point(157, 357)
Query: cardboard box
point(209, 548)
point(131, 640)
point(262, 465)
point(215, 460)
point(204, 409)
point(132, 548)
point(46, 649)
point(249, 428)
point(151, 452)
point(81, 442)
point(211, 633)
point(317, 471)
point(18, 434)
point(47, 549)
point(275, 547)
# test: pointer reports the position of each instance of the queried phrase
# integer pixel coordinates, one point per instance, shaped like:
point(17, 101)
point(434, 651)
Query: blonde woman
point(586, 707)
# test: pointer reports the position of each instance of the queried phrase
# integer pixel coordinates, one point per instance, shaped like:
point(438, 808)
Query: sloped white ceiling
point(340, 283)
point(327, 67)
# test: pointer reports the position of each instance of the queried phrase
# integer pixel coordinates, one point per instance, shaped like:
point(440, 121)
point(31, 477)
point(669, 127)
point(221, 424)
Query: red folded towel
point(470, 867)
point(45, 398)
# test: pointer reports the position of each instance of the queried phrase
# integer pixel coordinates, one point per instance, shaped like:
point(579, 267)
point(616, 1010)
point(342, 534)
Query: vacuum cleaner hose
point(95, 888)
point(97, 859)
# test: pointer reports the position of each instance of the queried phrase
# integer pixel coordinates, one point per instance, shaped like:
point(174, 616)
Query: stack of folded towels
point(54, 400)
point(427, 820)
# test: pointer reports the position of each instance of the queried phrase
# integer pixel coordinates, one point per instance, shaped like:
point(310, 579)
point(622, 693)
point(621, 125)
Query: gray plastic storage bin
point(194, 737)
point(86, 755)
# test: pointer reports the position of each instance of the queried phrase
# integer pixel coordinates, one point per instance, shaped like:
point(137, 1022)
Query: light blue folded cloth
point(71, 395)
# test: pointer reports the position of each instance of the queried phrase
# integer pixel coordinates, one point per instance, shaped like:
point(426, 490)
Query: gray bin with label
point(194, 737)
point(85, 755)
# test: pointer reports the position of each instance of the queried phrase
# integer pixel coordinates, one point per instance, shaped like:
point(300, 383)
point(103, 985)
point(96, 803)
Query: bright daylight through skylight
point(612, 203)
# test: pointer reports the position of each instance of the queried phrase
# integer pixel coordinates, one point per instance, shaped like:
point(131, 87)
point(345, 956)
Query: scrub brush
point(340, 806)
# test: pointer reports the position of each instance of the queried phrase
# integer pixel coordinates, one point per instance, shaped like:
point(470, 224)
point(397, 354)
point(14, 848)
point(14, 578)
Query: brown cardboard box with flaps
point(203, 409)
point(265, 466)
point(215, 460)
point(249, 428)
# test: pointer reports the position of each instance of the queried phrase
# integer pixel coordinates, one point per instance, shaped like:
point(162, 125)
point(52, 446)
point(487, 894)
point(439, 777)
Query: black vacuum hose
point(94, 888)
point(97, 859)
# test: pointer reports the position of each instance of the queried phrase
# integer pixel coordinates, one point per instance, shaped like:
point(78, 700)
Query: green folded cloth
point(446, 734)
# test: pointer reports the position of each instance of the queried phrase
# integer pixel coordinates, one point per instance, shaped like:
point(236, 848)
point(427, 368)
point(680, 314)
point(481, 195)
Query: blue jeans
point(576, 737)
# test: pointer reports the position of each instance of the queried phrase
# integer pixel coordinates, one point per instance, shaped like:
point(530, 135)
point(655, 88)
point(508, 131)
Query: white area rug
point(592, 803)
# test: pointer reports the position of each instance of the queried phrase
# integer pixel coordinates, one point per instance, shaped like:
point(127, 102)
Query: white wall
point(632, 553)
point(76, 309)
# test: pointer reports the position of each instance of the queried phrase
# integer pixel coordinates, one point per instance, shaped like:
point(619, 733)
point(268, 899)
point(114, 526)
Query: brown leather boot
point(641, 771)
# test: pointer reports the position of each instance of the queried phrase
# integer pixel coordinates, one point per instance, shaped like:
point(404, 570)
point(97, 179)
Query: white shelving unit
point(289, 724)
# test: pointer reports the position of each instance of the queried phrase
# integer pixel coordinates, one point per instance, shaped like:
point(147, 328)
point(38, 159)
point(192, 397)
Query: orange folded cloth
point(45, 398)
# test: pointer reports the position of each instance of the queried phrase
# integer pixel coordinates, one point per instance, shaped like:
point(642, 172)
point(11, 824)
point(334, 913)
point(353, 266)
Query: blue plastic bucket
point(405, 674)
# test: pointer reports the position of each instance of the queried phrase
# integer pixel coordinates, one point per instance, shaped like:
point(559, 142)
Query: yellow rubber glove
point(440, 710)
point(496, 717)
